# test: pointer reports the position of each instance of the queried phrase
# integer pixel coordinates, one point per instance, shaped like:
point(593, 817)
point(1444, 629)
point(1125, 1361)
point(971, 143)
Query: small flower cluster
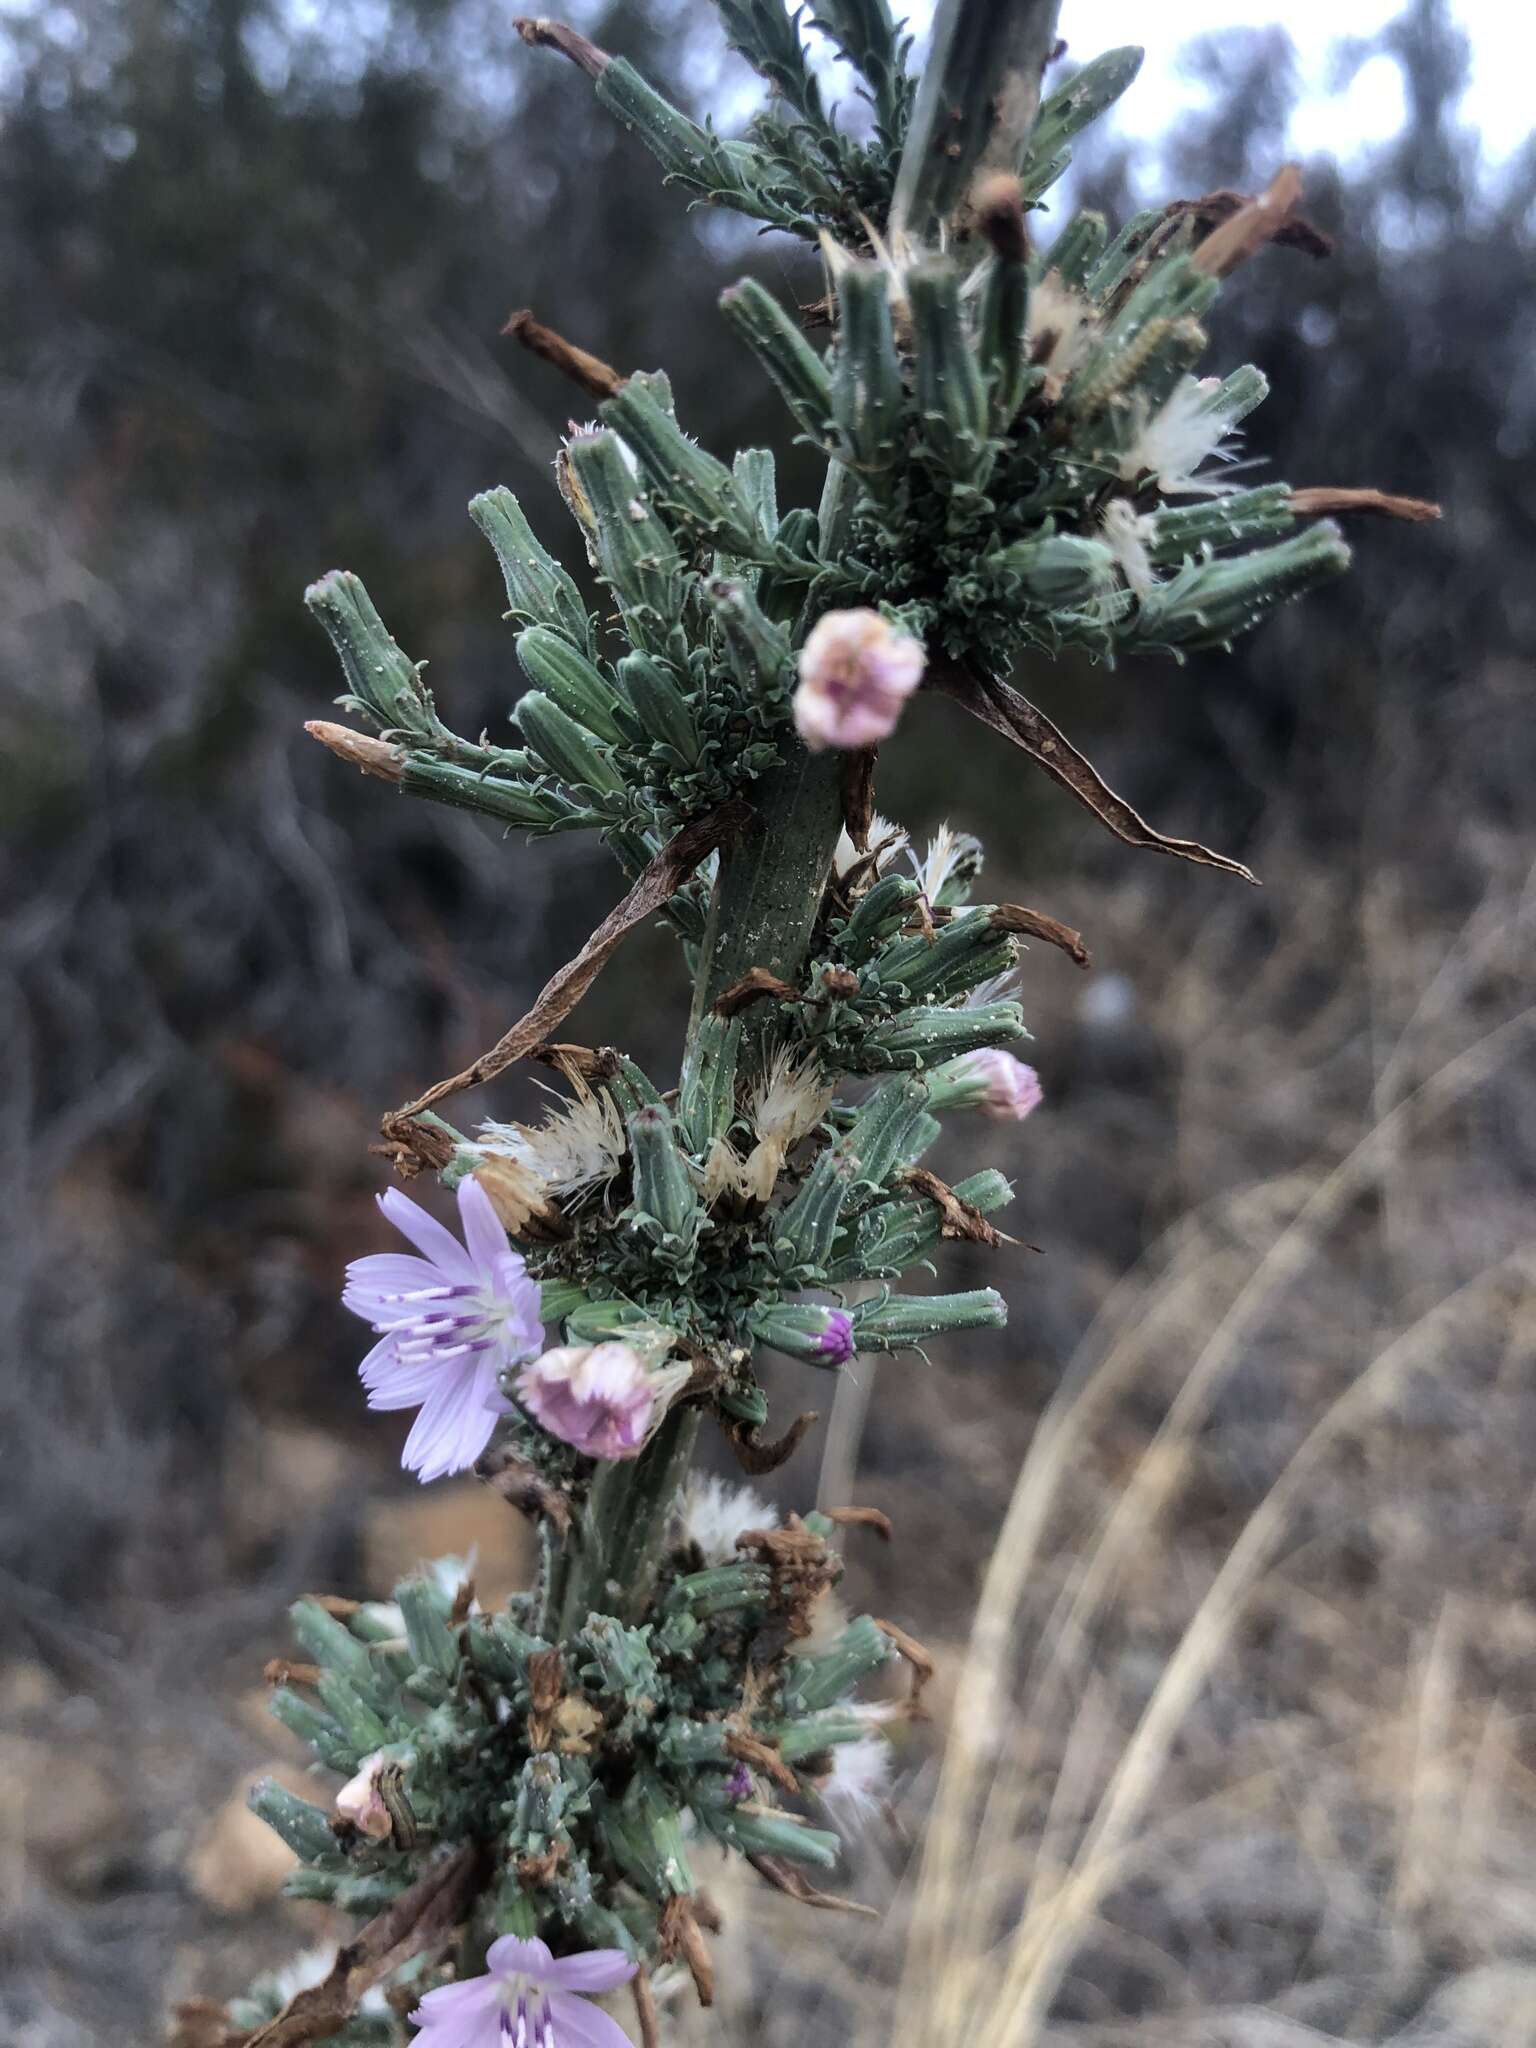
point(595, 1768)
point(456, 1320)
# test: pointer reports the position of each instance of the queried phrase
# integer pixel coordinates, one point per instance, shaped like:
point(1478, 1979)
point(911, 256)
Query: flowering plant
point(1018, 459)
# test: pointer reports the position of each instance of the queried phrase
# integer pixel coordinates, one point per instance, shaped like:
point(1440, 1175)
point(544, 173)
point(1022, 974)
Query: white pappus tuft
point(311, 1966)
point(789, 1099)
point(1061, 330)
point(1191, 427)
point(712, 1513)
point(1125, 532)
point(577, 1149)
point(885, 842)
point(951, 858)
point(859, 1781)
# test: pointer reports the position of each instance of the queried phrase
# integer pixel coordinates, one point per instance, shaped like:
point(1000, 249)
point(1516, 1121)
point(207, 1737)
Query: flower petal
point(371, 1280)
point(599, 1969)
point(580, 2025)
point(451, 1431)
point(400, 1385)
point(512, 1953)
point(465, 2015)
point(436, 1244)
point(484, 1233)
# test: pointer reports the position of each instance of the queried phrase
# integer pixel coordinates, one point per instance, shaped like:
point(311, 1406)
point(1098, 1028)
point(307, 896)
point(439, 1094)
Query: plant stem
point(769, 888)
point(766, 897)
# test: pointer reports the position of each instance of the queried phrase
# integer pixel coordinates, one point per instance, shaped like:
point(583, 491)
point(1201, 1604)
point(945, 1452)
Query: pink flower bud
point(596, 1397)
point(856, 672)
point(358, 1800)
point(1013, 1089)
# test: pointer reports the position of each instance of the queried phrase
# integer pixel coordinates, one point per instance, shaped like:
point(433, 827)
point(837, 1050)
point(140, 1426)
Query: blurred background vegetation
point(254, 261)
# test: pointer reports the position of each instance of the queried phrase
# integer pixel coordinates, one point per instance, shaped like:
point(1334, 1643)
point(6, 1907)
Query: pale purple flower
point(527, 1999)
point(449, 1323)
point(856, 672)
point(598, 1397)
point(1013, 1089)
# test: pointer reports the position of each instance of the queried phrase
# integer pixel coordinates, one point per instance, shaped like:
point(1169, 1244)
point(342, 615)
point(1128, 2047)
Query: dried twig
point(420, 1918)
point(645, 2008)
point(857, 786)
point(563, 991)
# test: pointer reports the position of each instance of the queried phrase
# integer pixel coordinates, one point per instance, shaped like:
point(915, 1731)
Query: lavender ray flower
point(527, 1999)
point(449, 1323)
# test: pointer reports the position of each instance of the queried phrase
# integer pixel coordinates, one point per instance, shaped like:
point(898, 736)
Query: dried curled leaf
point(959, 1218)
point(755, 986)
point(1036, 924)
point(784, 1877)
point(1324, 501)
point(1247, 230)
point(1000, 706)
point(597, 378)
point(918, 1659)
point(862, 1518)
point(523, 1487)
point(1212, 209)
point(756, 1457)
point(681, 1936)
point(748, 1749)
point(540, 32)
point(546, 1687)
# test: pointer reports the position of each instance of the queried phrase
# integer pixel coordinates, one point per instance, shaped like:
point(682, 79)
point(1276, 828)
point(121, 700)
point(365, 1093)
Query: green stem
point(770, 887)
point(612, 1557)
point(766, 897)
